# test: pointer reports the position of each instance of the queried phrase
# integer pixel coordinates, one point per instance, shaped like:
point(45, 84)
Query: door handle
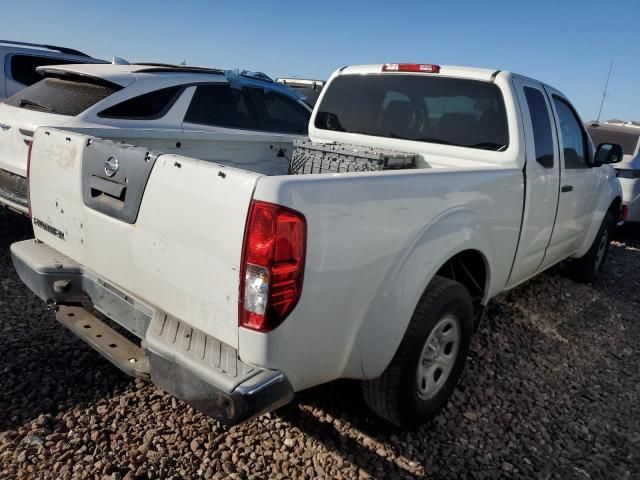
point(567, 188)
point(101, 186)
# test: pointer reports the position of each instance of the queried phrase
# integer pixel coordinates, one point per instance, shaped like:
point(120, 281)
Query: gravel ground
point(551, 390)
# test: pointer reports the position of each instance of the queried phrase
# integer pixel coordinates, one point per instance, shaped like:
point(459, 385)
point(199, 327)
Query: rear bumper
point(178, 358)
point(633, 214)
point(631, 197)
point(14, 191)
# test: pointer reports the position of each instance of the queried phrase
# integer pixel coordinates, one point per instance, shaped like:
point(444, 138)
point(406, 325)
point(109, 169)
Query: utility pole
point(604, 92)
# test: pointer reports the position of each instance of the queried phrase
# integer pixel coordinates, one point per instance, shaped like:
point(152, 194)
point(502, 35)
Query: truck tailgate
point(164, 228)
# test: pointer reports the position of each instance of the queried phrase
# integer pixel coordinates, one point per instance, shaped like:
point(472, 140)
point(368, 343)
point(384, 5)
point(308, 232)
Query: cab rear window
point(450, 111)
point(62, 96)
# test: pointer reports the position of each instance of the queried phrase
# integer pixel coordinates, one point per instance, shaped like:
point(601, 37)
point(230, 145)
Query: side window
point(23, 67)
point(221, 106)
point(573, 136)
point(284, 115)
point(148, 106)
point(542, 136)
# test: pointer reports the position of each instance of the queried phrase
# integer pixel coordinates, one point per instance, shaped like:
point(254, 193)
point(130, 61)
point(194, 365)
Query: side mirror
point(607, 153)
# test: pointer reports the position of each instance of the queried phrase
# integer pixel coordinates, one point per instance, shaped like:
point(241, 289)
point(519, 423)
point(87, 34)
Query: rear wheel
point(429, 361)
point(586, 268)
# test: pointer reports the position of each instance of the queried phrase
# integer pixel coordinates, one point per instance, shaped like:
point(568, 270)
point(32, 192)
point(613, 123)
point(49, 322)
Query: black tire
point(587, 268)
point(396, 395)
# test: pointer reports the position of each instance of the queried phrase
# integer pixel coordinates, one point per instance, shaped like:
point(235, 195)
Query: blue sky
point(566, 43)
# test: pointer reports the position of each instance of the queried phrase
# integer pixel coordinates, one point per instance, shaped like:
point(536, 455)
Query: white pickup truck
point(239, 288)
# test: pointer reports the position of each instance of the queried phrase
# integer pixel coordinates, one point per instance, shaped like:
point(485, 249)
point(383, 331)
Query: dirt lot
point(551, 390)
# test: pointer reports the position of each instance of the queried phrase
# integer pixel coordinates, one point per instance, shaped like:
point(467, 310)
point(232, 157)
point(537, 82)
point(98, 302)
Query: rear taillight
point(272, 265)
point(28, 177)
point(624, 213)
point(411, 67)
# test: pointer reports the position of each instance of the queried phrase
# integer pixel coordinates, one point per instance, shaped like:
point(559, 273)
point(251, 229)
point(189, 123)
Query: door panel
point(542, 174)
point(579, 181)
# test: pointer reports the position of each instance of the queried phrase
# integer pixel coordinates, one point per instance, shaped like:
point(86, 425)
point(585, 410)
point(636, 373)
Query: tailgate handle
point(100, 186)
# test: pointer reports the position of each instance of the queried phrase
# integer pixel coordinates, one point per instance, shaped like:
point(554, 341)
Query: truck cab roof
point(455, 71)
point(444, 70)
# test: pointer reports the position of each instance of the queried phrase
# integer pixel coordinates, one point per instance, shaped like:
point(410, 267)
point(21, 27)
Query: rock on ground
point(551, 390)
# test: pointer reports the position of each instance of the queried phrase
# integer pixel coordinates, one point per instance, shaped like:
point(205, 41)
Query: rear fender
point(382, 329)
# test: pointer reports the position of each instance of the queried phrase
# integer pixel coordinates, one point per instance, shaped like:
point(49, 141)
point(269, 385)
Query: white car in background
point(206, 113)
point(627, 135)
point(19, 60)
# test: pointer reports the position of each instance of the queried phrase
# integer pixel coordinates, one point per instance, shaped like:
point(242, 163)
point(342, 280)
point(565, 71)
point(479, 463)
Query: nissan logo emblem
point(111, 166)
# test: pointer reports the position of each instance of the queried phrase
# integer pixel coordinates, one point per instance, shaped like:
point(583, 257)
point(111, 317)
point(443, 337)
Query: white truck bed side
point(358, 296)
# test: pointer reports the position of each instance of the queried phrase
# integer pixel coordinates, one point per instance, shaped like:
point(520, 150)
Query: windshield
point(62, 96)
point(444, 110)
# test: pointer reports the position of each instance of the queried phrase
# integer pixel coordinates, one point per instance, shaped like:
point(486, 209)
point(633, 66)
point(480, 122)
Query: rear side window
point(23, 67)
point(450, 111)
point(310, 92)
point(573, 136)
point(542, 136)
point(221, 106)
point(148, 106)
point(282, 114)
point(62, 97)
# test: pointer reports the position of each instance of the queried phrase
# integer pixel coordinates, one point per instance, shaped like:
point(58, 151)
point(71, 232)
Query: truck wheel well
point(468, 268)
point(615, 207)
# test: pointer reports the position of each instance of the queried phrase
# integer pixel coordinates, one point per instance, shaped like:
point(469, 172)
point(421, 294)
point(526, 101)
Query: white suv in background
point(627, 135)
point(20, 60)
point(158, 105)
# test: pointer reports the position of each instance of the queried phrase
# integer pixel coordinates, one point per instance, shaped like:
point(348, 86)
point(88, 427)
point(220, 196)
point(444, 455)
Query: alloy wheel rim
point(438, 357)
